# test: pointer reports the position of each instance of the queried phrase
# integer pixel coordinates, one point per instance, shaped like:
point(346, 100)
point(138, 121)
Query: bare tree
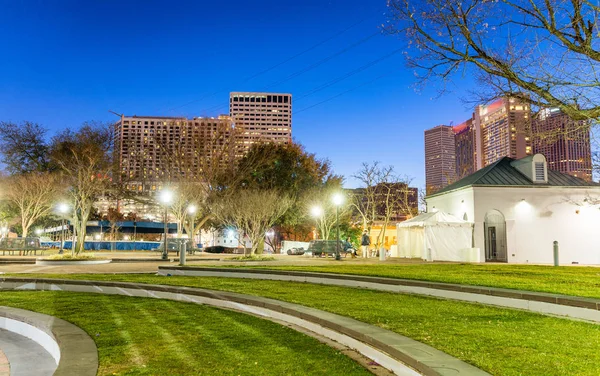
point(384, 197)
point(365, 199)
point(322, 198)
point(83, 158)
point(543, 52)
point(32, 194)
point(252, 212)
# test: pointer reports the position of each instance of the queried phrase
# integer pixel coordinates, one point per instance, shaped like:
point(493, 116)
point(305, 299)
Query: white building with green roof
point(519, 208)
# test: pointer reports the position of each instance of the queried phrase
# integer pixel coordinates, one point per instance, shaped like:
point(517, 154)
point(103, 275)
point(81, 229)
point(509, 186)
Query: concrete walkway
point(26, 357)
point(4, 365)
point(397, 353)
point(545, 303)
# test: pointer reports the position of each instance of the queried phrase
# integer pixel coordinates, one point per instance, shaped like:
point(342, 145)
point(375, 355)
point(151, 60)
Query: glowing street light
point(63, 209)
point(316, 211)
point(39, 231)
point(166, 198)
point(338, 200)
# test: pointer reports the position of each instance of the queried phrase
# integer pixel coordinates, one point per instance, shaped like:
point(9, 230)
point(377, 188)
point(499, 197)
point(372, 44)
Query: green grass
point(140, 336)
point(500, 341)
point(70, 257)
point(252, 258)
point(568, 280)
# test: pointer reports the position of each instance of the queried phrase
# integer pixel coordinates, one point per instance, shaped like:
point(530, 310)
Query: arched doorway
point(495, 236)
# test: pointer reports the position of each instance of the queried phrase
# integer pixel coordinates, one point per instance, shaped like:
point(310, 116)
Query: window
point(539, 171)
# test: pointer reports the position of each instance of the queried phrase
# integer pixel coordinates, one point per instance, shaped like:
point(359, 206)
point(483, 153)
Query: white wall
point(457, 203)
point(545, 215)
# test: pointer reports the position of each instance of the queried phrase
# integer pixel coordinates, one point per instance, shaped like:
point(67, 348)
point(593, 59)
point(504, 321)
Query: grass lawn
point(568, 280)
point(138, 336)
point(500, 341)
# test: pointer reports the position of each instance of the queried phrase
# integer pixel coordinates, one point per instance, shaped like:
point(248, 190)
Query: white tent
point(436, 236)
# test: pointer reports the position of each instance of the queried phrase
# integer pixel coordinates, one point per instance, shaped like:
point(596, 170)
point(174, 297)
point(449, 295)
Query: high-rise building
point(465, 143)
point(154, 150)
point(440, 158)
point(504, 130)
point(564, 142)
point(262, 117)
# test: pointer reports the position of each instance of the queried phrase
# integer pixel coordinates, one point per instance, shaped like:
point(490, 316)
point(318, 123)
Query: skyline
point(71, 63)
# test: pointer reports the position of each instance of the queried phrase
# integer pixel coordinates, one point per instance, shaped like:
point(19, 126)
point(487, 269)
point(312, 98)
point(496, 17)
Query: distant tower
point(564, 142)
point(504, 130)
point(440, 158)
point(262, 116)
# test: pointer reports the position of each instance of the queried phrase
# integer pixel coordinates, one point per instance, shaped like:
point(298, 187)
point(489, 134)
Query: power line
point(276, 65)
point(322, 61)
point(348, 75)
point(342, 93)
point(332, 82)
point(308, 50)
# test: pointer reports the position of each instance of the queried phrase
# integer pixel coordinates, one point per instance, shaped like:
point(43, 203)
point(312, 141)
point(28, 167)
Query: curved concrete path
point(397, 353)
point(38, 344)
point(545, 303)
point(20, 352)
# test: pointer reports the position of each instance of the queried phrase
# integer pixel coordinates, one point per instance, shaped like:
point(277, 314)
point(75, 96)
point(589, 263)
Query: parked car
point(329, 247)
point(296, 251)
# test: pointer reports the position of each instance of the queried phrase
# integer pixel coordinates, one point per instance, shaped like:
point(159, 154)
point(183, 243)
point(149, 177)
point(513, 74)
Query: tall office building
point(154, 150)
point(465, 143)
point(262, 117)
point(564, 142)
point(440, 158)
point(504, 130)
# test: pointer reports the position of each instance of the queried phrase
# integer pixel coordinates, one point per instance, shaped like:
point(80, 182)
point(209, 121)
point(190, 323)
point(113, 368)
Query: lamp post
point(183, 249)
point(62, 209)
point(316, 212)
point(338, 199)
point(166, 198)
point(192, 211)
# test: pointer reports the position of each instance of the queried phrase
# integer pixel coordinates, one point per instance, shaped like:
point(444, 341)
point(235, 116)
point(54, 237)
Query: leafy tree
point(289, 169)
point(24, 147)
point(543, 51)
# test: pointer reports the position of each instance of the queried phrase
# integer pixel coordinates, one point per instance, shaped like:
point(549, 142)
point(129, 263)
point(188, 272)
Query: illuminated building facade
point(504, 128)
point(465, 143)
point(564, 142)
point(440, 158)
point(261, 117)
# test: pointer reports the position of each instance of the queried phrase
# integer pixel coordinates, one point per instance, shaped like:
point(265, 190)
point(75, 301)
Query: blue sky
point(66, 62)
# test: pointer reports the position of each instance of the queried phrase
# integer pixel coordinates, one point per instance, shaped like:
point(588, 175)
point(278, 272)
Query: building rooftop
point(503, 174)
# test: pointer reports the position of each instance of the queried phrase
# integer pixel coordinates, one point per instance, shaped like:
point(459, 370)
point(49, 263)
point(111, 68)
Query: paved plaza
point(148, 262)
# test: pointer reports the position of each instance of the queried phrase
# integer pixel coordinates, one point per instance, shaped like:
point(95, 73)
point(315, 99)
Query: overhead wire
point(276, 65)
point(323, 61)
point(343, 93)
point(348, 75)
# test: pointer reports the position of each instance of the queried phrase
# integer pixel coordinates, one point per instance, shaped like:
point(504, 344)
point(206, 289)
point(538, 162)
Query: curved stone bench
point(44, 262)
point(545, 303)
point(397, 353)
point(73, 350)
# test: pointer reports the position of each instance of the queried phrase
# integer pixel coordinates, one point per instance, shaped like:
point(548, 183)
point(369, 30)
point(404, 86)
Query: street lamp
point(338, 200)
point(39, 231)
point(166, 198)
point(62, 209)
point(192, 210)
point(316, 212)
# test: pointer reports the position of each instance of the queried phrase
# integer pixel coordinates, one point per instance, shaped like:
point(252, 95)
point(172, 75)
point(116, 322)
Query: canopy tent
point(436, 236)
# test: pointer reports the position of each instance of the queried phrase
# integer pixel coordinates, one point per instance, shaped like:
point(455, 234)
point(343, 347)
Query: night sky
point(66, 62)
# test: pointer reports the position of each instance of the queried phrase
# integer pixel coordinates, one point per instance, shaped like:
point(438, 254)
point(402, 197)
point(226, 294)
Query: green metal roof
point(501, 173)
